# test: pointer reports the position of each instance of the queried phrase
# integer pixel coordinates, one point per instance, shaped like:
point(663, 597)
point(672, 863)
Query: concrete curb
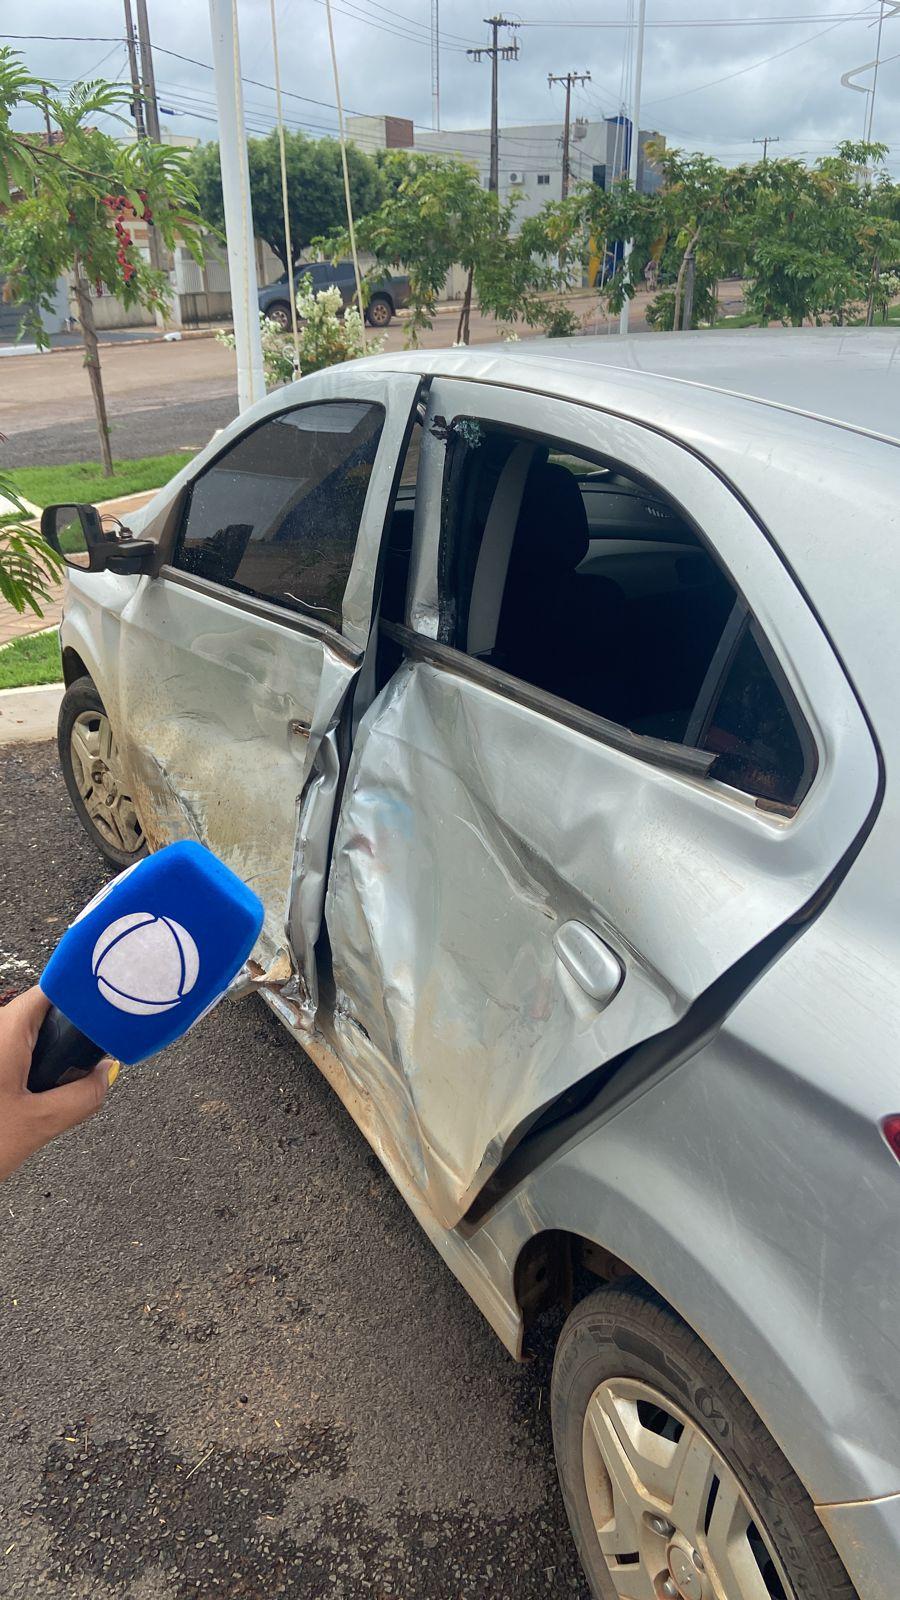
point(28, 716)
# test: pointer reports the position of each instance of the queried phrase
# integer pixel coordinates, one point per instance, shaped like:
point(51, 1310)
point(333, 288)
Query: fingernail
point(114, 1070)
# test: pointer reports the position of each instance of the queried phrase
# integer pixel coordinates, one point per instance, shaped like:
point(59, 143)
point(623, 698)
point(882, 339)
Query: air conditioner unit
point(517, 177)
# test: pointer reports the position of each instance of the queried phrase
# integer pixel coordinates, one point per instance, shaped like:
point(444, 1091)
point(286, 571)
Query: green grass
point(84, 480)
point(34, 659)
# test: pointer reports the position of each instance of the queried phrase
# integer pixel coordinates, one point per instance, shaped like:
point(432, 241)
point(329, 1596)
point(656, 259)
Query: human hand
point(29, 1121)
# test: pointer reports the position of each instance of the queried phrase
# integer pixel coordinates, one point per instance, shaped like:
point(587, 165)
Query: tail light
point(890, 1127)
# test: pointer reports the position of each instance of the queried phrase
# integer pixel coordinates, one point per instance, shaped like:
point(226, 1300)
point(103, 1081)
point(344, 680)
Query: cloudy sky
point(717, 73)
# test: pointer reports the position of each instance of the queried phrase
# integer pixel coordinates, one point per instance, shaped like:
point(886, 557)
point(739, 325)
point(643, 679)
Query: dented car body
point(548, 700)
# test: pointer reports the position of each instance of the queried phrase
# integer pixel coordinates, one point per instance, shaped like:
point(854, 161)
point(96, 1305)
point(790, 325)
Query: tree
point(817, 237)
point(73, 213)
point(315, 187)
point(437, 216)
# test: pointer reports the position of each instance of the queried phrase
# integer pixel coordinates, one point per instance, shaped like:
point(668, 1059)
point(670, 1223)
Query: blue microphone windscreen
point(153, 951)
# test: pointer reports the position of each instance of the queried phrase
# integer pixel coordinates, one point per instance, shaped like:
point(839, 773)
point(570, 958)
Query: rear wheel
point(94, 776)
point(674, 1488)
point(379, 311)
point(280, 314)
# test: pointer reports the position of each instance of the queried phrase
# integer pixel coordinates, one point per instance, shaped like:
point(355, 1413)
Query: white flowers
point(327, 335)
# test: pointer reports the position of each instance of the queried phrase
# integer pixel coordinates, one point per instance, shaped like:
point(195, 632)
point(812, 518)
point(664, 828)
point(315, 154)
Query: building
point(529, 155)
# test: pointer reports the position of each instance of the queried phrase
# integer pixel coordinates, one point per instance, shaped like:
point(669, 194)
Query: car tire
point(279, 313)
point(94, 777)
point(635, 1391)
point(379, 311)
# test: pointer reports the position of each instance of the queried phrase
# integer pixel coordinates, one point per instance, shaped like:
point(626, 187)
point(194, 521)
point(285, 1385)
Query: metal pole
point(236, 201)
point(494, 178)
point(635, 138)
point(435, 64)
point(137, 109)
point(875, 76)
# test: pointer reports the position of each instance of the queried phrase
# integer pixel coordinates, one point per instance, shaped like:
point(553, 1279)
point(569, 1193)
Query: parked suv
point(385, 297)
point(549, 699)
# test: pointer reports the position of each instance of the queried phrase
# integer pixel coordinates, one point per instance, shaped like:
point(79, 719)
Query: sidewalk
point(17, 625)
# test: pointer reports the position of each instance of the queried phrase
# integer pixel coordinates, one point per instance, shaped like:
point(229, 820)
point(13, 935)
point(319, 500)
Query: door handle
point(596, 969)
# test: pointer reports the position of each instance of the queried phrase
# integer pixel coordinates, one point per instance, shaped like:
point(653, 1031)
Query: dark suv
point(386, 297)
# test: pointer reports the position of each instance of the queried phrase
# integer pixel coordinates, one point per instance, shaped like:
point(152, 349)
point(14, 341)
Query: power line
point(753, 65)
point(703, 22)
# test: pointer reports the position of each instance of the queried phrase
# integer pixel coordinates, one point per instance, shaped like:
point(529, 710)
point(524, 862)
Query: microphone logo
point(145, 964)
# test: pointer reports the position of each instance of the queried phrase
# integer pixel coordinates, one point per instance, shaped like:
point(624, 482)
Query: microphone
point(144, 961)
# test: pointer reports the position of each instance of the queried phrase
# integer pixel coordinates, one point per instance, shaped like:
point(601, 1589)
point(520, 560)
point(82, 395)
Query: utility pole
point(765, 140)
point(435, 64)
point(568, 78)
point(635, 139)
point(46, 105)
point(504, 52)
point(236, 202)
point(137, 104)
point(150, 115)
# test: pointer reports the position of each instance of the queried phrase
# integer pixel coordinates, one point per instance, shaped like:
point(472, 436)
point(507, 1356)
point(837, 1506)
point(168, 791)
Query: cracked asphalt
point(230, 1363)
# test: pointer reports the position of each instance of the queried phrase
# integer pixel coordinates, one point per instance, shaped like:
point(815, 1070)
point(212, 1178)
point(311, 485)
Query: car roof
point(849, 377)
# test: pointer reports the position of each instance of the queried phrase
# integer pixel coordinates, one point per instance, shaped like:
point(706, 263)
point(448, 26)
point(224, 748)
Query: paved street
point(230, 1363)
point(163, 396)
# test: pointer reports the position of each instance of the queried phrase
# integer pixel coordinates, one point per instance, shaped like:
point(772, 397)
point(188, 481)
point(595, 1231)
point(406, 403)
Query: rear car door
point(605, 762)
point(236, 659)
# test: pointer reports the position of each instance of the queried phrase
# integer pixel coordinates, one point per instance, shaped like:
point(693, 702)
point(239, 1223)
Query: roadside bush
point(326, 338)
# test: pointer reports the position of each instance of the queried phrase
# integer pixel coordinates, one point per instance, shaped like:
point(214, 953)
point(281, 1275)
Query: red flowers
point(117, 203)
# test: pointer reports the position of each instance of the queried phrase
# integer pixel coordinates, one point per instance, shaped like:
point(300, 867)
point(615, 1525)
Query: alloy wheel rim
point(672, 1520)
point(379, 314)
point(101, 782)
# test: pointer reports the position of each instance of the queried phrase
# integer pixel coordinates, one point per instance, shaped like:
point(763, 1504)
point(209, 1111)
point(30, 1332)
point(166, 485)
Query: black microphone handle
point(62, 1053)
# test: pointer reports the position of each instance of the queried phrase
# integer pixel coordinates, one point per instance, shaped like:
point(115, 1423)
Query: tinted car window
point(277, 514)
point(589, 585)
point(757, 744)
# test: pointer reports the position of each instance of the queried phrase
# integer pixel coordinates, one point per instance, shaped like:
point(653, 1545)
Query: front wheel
point(379, 311)
point(674, 1488)
point(95, 778)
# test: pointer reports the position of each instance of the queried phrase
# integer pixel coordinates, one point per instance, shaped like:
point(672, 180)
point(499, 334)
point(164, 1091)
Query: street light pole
point(635, 139)
point(236, 202)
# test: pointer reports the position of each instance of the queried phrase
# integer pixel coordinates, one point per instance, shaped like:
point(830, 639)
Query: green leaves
point(80, 197)
point(315, 187)
point(28, 566)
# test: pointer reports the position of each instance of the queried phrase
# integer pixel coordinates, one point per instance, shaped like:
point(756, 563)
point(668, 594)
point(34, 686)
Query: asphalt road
point(150, 431)
point(230, 1363)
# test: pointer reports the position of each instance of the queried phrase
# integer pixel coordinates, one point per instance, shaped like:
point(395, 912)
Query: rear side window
point(567, 574)
point(754, 735)
point(277, 515)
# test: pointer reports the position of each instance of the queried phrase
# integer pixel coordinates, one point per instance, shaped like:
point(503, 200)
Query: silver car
point(548, 697)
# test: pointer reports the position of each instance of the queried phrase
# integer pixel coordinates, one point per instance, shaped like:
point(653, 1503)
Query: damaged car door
point(611, 755)
point(236, 659)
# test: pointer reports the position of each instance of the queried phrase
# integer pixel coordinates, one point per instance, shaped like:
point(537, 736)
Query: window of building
point(582, 582)
point(543, 177)
point(277, 514)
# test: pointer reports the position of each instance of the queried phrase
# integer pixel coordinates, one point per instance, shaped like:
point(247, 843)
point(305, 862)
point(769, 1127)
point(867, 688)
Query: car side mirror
point(76, 532)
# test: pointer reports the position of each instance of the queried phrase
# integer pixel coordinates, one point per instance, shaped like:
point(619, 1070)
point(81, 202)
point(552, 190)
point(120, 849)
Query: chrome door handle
point(587, 959)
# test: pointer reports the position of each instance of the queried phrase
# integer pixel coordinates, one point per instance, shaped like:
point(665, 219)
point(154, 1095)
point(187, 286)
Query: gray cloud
point(385, 65)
